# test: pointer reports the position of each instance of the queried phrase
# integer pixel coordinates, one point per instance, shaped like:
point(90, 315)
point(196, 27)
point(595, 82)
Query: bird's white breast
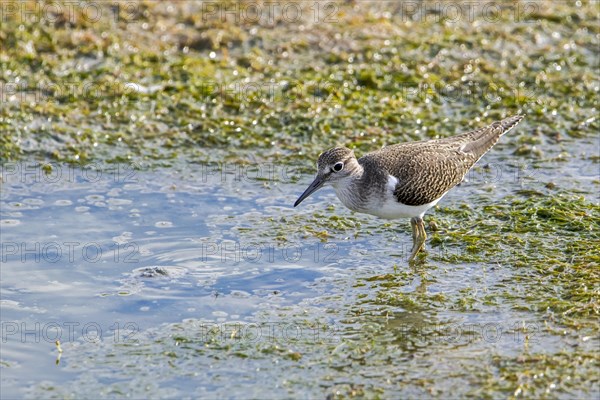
point(381, 204)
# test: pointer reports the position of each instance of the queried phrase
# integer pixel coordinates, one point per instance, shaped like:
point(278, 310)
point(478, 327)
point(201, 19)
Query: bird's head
point(333, 167)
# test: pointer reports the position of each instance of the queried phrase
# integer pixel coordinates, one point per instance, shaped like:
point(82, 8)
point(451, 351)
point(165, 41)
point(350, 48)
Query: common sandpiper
point(405, 180)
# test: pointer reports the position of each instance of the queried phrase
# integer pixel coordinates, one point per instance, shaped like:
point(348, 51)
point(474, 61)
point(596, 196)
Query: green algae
point(550, 241)
point(244, 86)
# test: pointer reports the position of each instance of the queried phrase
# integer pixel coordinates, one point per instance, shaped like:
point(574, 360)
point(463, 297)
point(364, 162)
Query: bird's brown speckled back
point(426, 170)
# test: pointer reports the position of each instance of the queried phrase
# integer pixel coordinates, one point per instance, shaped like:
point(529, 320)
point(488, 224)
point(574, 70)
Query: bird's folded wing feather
point(425, 174)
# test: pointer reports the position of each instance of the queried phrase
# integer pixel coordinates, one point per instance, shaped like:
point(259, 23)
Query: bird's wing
point(426, 170)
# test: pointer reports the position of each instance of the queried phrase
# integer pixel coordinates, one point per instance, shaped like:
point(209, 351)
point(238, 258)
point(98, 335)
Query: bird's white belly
point(391, 208)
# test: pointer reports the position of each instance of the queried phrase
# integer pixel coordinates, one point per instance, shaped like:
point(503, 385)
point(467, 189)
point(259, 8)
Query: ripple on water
point(123, 238)
point(118, 202)
point(220, 314)
point(34, 202)
point(96, 200)
point(164, 224)
point(15, 305)
point(9, 222)
point(170, 271)
point(63, 203)
point(15, 205)
point(240, 294)
point(94, 197)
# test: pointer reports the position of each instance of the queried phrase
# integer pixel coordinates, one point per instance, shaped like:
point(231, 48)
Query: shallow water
point(104, 259)
point(160, 283)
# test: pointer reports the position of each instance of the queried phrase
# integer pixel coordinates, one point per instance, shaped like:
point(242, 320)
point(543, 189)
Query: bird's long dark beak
point(313, 187)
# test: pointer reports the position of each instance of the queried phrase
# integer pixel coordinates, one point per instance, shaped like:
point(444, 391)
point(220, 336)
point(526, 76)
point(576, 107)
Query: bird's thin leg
point(413, 224)
point(423, 233)
point(419, 236)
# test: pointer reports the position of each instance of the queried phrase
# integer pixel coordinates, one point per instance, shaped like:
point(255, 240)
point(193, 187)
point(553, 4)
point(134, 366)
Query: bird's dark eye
point(338, 167)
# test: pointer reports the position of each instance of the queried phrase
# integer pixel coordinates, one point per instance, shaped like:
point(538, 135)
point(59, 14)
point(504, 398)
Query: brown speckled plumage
point(427, 169)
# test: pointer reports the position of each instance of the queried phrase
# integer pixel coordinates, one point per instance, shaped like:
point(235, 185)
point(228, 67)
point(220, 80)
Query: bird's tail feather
point(483, 139)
